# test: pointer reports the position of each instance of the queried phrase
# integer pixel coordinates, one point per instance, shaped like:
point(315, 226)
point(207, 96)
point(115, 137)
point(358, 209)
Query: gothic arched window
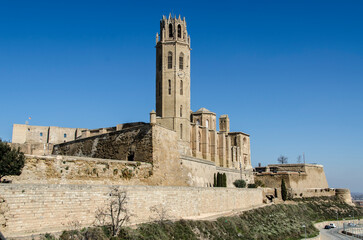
point(170, 60)
point(170, 30)
point(181, 61)
point(181, 110)
point(169, 87)
point(181, 87)
point(179, 31)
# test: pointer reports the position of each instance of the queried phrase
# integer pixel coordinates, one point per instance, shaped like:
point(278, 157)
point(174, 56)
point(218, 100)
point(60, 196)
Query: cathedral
point(176, 141)
point(197, 130)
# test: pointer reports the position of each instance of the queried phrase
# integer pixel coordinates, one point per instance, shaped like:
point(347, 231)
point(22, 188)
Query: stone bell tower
point(173, 76)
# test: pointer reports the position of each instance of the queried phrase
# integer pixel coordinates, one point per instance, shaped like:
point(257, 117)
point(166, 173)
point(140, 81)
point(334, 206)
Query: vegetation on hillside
point(280, 221)
point(11, 160)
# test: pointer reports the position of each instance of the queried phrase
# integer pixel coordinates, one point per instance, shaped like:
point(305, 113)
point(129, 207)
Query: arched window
point(169, 88)
point(170, 30)
point(181, 61)
point(207, 123)
point(181, 110)
point(179, 31)
point(181, 131)
point(181, 87)
point(170, 60)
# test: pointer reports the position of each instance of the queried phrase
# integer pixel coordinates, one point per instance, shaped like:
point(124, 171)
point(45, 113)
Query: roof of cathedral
point(203, 110)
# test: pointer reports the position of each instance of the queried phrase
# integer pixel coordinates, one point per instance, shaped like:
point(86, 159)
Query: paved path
point(334, 233)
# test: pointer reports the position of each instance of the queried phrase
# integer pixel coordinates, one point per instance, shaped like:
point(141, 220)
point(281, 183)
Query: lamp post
point(304, 226)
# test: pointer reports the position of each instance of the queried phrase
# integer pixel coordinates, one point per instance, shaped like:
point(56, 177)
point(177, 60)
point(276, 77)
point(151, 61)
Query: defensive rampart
point(30, 208)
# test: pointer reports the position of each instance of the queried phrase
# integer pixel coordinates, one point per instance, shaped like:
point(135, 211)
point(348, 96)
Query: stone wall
point(132, 143)
point(201, 172)
point(44, 208)
point(297, 176)
point(82, 170)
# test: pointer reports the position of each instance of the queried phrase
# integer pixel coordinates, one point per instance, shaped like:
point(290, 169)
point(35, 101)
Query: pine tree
point(11, 160)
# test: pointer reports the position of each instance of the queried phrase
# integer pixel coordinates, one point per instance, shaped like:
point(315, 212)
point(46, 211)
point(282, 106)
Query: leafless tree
point(299, 159)
point(115, 214)
point(282, 159)
point(161, 214)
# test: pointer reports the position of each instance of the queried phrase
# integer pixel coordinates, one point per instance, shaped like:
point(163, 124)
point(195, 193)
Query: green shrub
point(11, 160)
point(240, 183)
point(252, 185)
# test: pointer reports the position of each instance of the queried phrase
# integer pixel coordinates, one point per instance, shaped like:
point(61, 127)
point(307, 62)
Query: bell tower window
point(170, 60)
point(181, 87)
point(181, 61)
point(179, 31)
point(169, 87)
point(170, 30)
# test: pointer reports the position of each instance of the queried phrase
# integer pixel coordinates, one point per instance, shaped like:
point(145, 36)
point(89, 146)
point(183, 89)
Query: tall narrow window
point(170, 30)
point(169, 88)
point(179, 31)
point(181, 110)
point(206, 123)
point(181, 61)
point(181, 87)
point(181, 131)
point(170, 60)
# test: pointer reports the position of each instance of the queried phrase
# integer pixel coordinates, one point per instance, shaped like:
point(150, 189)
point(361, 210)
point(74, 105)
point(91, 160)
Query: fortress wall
point(308, 176)
point(34, 148)
point(82, 170)
point(312, 192)
point(201, 172)
point(314, 178)
point(31, 208)
point(234, 174)
point(134, 143)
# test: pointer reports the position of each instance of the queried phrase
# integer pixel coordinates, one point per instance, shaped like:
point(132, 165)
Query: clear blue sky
point(289, 73)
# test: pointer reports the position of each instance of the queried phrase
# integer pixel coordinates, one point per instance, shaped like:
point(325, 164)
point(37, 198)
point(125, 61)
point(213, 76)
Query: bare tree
point(161, 214)
point(115, 214)
point(282, 159)
point(299, 159)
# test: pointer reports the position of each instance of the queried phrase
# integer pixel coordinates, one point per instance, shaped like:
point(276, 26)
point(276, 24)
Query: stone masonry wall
point(134, 143)
point(82, 170)
point(311, 176)
point(30, 208)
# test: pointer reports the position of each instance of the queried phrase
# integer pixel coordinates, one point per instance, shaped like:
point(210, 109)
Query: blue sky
point(289, 73)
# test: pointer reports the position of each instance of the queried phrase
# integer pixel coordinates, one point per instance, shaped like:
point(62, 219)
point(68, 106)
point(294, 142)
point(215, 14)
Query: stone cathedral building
point(197, 131)
point(183, 147)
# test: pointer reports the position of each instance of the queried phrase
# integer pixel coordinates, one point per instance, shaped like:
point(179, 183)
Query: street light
point(304, 229)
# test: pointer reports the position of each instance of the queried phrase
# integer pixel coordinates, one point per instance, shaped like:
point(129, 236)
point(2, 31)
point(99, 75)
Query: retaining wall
point(31, 208)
